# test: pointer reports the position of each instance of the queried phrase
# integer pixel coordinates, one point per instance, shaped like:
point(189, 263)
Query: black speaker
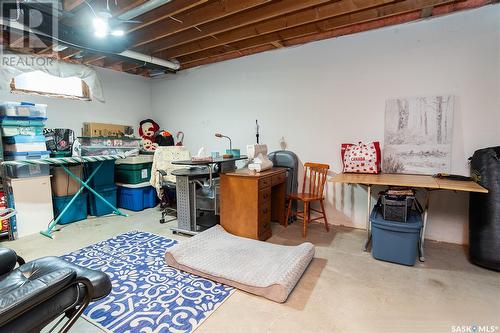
point(484, 209)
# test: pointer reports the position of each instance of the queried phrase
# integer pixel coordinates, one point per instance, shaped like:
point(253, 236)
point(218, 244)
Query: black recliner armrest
point(32, 293)
point(8, 260)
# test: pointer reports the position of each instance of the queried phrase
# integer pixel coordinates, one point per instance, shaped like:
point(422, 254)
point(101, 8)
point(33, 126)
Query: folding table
point(63, 161)
point(428, 183)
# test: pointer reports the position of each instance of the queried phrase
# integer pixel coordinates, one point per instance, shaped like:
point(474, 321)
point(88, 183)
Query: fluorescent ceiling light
point(101, 27)
point(118, 33)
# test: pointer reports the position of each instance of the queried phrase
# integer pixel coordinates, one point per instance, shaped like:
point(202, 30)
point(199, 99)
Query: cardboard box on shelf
point(106, 130)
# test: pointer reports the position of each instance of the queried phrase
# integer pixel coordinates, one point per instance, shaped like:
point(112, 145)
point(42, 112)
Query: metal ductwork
point(149, 61)
point(152, 60)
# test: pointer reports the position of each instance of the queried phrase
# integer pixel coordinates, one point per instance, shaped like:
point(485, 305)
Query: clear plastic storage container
point(23, 109)
point(24, 143)
point(100, 151)
point(105, 142)
point(22, 130)
point(27, 155)
point(22, 121)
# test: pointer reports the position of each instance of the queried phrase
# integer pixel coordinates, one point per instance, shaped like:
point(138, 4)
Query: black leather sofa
point(36, 293)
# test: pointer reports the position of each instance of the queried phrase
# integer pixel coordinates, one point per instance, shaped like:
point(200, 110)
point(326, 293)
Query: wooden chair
point(314, 182)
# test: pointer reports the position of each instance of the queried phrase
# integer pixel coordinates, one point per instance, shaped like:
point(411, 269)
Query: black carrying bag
point(484, 209)
point(59, 139)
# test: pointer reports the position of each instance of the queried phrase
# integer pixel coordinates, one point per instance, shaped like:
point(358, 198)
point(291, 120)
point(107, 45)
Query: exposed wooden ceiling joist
point(279, 23)
point(70, 5)
point(336, 22)
point(198, 32)
point(167, 10)
point(261, 13)
point(344, 30)
point(92, 60)
point(212, 10)
point(68, 53)
point(130, 66)
point(123, 6)
point(18, 42)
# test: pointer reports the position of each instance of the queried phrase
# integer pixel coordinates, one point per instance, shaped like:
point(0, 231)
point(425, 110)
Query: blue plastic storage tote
point(97, 207)
point(23, 139)
point(105, 176)
point(137, 199)
point(395, 241)
point(23, 143)
point(76, 212)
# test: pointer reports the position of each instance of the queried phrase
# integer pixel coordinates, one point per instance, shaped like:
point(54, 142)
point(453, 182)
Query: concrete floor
point(343, 290)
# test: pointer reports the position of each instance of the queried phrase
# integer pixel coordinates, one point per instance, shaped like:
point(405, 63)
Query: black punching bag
point(484, 209)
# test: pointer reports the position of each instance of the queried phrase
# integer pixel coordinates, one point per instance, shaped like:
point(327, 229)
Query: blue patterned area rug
point(147, 295)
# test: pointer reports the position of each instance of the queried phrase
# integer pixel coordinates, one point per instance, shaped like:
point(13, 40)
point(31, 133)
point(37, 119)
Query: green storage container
point(61, 153)
point(133, 173)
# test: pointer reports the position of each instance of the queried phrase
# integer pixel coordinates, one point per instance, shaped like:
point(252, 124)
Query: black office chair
point(35, 293)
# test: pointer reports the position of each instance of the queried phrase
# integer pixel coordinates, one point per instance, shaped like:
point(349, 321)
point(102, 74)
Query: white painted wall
point(128, 101)
point(322, 94)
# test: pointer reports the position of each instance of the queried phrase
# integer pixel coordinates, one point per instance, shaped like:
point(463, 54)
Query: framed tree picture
point(418, 135)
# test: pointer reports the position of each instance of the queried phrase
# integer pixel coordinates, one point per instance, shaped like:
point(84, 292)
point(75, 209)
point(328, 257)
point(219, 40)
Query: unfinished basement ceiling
point(199, 32)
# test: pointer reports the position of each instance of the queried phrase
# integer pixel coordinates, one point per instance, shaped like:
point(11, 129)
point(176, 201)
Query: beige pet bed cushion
point(257, 267)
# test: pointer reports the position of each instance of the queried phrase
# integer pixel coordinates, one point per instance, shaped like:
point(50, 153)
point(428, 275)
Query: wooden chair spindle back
point(314, 178)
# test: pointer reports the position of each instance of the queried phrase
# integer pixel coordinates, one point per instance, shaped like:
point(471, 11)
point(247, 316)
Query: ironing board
point(63, 161)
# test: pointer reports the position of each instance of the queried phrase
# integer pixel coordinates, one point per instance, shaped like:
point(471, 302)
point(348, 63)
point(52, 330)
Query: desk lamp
point(229, 152)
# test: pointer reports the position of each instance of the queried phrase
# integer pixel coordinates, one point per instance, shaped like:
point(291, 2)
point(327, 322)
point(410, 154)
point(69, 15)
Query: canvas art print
point(418, 135)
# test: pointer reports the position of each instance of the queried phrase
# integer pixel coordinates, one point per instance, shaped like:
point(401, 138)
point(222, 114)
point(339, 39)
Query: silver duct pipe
point(128, 54)
point(137, 11)
point(153, 60)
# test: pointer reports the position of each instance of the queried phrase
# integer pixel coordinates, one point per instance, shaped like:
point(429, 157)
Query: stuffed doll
point(147, 131)
point(148, 144)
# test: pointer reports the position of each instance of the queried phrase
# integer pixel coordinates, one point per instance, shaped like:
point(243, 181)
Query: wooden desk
point(419, 181)
point(249, 201)
point(428, 183)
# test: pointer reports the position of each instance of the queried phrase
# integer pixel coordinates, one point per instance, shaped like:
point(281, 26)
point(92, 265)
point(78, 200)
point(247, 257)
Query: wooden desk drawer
point(264, 196)
point(264, 231)
point(278, 179)
point(265, 212)
point(265, 182)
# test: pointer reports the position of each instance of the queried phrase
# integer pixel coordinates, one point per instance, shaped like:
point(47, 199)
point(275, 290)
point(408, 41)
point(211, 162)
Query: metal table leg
point(422, 233)
point(48, 232)
point(185, 206)
point(368, 223)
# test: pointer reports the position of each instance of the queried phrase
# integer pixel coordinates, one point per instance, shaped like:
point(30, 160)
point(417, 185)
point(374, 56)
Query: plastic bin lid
point(33, 104)
point(23, 103)
point(26, 153)
point(140, 185)
point(22, 118)
point(24, 139)
point(414, 221)
point(136, 159)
